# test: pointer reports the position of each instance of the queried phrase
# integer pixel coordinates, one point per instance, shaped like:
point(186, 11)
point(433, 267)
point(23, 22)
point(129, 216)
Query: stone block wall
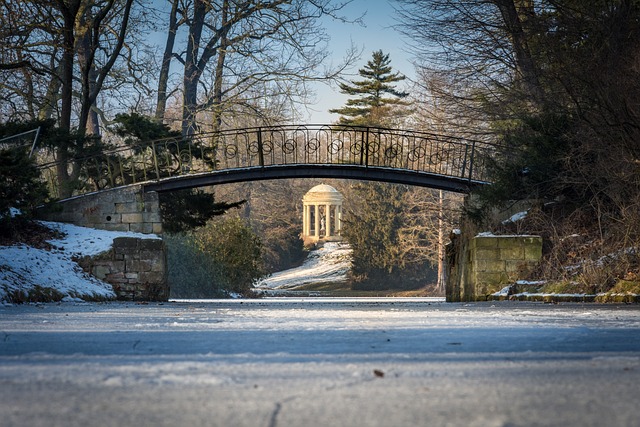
point(499, 260)
point(479, 265)
point(119, 209)
point(136, 268)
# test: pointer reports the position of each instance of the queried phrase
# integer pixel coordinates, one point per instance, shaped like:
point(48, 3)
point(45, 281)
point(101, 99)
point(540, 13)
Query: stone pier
point(484, 264)
point(119, 209)
point(136, 268)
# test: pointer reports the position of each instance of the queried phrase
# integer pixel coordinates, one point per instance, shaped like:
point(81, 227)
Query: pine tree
point(376, 98)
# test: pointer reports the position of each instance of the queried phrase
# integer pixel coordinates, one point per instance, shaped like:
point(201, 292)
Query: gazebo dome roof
point(323, 188)
point(323, 193)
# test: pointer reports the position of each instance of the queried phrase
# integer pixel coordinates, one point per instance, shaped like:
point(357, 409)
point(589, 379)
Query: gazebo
point(322, 214)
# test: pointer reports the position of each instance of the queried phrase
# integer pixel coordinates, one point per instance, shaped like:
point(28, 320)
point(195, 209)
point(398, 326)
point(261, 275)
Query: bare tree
point(28, 48)
point(482, 47)
point(235, 45)
point(59, 56)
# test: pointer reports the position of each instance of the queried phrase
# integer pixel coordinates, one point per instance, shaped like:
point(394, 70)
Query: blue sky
point(375, 34)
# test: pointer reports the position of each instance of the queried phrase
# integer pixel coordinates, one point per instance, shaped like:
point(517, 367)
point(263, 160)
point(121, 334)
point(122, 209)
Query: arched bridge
point(120, 188)
point(295, 151)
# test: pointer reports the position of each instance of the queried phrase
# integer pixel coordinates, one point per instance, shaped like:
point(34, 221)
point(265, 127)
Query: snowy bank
point(328, 264)
point(53, 274)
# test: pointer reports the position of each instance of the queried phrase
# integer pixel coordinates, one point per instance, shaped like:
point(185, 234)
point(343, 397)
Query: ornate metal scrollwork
point(391, 152)
point(356, 148)
point(312, 146)
point(267, 146)
point(335, 147)
point(289, 146)
point(230, 151)
point(417, 153)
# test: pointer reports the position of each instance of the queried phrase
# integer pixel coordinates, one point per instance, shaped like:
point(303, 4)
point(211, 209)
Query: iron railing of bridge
point(281, 145)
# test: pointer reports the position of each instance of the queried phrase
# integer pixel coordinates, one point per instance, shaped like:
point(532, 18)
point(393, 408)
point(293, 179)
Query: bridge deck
point(258, 173)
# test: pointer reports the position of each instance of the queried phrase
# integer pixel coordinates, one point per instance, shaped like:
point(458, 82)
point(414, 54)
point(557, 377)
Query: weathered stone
point(101, 271)
point(137, 227)
point(114, 210)
point(131, 255)
point(112, 227)
point(110, 278)
point(151, 217)
point(136, 268)
point(126, 208)
point(489, 265)
point(132, 218)
point(485, 242)
point(513, 252)
point(484, 264)
point(139, 265)
point(152, 277)
point(517, 266)
point(151, 245)
point(533, 252)
point(120, 243)
point(490, 254)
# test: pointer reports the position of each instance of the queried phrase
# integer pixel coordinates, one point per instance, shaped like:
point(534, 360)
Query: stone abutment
point(135, 267)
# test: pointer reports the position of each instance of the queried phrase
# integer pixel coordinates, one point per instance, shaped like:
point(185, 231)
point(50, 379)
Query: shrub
point(191, 272)
point(223, 257)
point(20, 188)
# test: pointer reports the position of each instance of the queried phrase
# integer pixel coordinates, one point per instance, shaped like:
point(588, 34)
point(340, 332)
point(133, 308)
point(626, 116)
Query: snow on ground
point(516, 217)
point(327, 264)
point(23, 268)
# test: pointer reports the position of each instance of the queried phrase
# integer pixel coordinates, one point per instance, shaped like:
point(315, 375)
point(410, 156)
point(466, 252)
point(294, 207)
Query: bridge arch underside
point(336, 171)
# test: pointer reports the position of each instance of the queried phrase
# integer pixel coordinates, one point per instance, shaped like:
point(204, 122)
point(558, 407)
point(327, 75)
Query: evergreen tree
point(236, 248)
point(374, 232)
point(20, 188)
point(186, 210)
point(376, 98)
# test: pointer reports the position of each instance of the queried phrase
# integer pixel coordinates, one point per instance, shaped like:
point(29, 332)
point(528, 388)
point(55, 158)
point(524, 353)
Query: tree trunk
point(219, 73)
point(50, 100)
point(191, 71)
point(163, 79)
point(90, 76)
point(441, 284)
point(69, 12)
point(525, 64)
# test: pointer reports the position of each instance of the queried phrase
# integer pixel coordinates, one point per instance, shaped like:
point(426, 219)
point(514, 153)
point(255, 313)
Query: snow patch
point(516, 217)
point(329, 263)
point(84, 241)
point(24, 269)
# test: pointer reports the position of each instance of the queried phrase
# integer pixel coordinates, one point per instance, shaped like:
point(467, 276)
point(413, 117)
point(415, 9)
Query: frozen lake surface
point(318, 362)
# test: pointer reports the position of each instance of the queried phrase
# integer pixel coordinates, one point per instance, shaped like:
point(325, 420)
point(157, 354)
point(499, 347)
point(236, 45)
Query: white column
point(317, 221)
point(327, 214)
point(338, 219)
point(305, 220)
